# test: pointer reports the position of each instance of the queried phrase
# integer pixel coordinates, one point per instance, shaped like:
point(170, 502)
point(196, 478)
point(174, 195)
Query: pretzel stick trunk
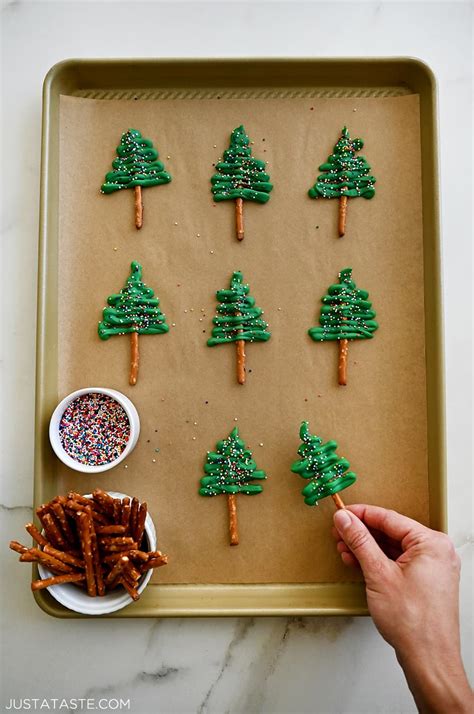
point(138, 207)
point(342, 364)
point(233, 528)
point(342, 215)
point(134, 358)
point(338, 501)
point(239, 218)
point(240, 347)
point(240, 361)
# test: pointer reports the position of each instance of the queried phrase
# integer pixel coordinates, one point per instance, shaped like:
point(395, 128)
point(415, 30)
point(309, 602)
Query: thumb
point(361, 543)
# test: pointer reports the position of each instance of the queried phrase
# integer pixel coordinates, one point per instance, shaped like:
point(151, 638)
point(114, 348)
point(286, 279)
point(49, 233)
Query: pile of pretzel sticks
point(96, 543)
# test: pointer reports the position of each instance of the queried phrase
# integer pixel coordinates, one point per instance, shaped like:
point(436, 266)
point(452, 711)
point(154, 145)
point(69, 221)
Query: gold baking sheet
point(289, 256)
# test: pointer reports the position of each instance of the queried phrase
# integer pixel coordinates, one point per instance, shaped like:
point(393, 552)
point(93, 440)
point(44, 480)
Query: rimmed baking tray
point(255, 78)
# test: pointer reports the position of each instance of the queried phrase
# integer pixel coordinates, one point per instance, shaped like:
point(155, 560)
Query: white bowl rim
point(132, 416)
point(99, 605)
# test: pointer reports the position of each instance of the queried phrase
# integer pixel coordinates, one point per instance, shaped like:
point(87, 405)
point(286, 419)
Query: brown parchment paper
point(187, 395)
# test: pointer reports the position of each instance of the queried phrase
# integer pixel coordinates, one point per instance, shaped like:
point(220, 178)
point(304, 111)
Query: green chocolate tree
point(231, 470)
point(346, 315)
point(344, 176)
point(136, 166)
point(326, 472)
point(238, 320)
point(240, 177)
point(134, 311)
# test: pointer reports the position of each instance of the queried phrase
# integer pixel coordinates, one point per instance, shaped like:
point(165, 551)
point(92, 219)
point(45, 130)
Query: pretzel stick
point(110, 530)
point(85, 539)
point(342, 215)
point(139, 555)
point(141, 518)
point(47, 560)
point(112, 558)
point(52, 531)
point(126, 512)
point(58, 511)
point(131, 590)
point(338, 501)
point(131, 571)
point(18, 547)
point(116, 570)
point(240, 347)
point(342, 364)
point(63, 557)
point(239, 218)
point(96, 556)
point(138, 207)
point(74, 496)
point(104, 501)
point(74, 507)
point(233, 527)
point(57, 580)
point(133, 515)
point(117, 510)
point(153, 563)
point(240, 344)
point(105, 541)
point(118, 547)
point(134, 356)
point(36, 535)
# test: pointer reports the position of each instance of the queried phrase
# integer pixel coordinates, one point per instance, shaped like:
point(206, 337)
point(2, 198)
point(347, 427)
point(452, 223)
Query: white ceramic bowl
point(78, 600)
point(62, 454)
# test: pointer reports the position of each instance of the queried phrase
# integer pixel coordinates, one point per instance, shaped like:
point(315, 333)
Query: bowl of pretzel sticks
point(95, 553)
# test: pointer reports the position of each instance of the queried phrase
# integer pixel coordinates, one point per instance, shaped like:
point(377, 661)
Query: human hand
point(412, 582)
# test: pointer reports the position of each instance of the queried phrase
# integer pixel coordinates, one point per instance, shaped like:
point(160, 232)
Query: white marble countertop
point(231, 665)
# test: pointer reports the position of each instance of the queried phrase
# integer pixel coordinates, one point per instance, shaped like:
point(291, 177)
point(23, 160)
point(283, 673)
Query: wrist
point(437, 679)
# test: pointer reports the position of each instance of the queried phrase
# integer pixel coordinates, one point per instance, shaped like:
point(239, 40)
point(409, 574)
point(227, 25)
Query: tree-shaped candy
point(344, 176)
point(136, 166)
point(346, 315)
point(134, 311)
point(231, 470)
point(326, 472)
point(238, 320)
point(240, 177)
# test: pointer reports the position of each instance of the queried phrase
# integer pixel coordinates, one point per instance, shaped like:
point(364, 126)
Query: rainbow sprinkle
point(94, 429)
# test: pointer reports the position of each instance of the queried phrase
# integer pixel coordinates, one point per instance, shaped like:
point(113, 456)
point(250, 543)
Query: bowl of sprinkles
point(94, 429)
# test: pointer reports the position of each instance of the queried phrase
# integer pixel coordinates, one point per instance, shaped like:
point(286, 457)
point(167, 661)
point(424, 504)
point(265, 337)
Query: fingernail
point(342, 520)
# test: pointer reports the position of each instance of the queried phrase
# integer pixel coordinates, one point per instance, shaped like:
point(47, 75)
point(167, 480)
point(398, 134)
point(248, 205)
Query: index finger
point(393, 524)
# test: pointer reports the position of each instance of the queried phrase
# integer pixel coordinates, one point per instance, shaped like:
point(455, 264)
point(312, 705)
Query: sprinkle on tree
point(238, 320)
point(230, 470)
point(346, 315)
point(326, 472)
point(240, 177)
point(134, 311)
point(344, 176)
point(136, 166)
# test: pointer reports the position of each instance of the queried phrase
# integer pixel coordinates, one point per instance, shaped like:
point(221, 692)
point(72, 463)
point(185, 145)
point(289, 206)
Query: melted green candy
point(136, 164)
point(346, 313)
point(344, 173)
point(240, 175)
point(230, 469)
point(326, 472)
point(237, 317)
point(134, 309)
